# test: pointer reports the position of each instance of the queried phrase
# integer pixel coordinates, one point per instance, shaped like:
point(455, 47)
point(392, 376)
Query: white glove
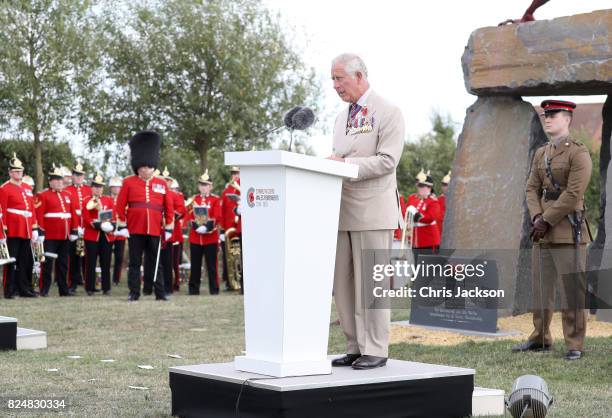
point(34, 235)
point(106, 226)
point(412, 210)
point(238, 212)
point(122, 233)
point(222, 237)
point(41, 239)
point(73, 237)
point(81, 231)
point(201, 229)
point(167, 235)
point(2, 240)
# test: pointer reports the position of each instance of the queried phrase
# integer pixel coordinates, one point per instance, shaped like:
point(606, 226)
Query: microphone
point(299, 118)
point(303, 118)
point(288, 118)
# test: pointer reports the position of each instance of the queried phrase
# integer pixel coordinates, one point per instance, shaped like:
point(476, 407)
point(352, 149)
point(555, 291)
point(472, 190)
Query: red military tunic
point(144, 205)
point(91, 215)
point(426, 233)
point(78, 194)
point(442, 201)
point(56, 214)
point(214, 213)
point(179, 217)
point(229, 219)
point(17, 205)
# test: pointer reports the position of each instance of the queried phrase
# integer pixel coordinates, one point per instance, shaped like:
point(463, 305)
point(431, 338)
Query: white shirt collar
point(363, 99)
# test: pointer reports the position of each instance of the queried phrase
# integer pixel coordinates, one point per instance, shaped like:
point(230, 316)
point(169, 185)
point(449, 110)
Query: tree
point(58, 153)
point(434, 151)
point(207, 74)
point(46, 59)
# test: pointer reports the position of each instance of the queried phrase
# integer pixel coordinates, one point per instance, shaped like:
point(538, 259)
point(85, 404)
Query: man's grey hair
point(353, 64)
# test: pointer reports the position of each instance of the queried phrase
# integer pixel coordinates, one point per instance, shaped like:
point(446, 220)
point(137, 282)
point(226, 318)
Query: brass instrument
point(94, 203)
point(80, 247)
point(233, 252)
point(5, 257)
point(38, 250)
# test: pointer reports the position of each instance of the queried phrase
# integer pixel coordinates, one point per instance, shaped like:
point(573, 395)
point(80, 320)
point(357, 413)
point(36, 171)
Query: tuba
point(233, 253)
point(5, 257)
point(80, 247)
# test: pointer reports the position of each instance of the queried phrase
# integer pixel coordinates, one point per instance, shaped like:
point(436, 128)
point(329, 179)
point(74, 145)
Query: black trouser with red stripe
point(93, 250)
point(61, 248)
point(77, 267)
point(146, 245)
point(165, 259)
point(177, 256)
point(18, 275)
point(210, 254)
point(118, 252)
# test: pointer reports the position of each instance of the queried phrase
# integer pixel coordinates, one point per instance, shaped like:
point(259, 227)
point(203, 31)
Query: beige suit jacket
point(371, 202)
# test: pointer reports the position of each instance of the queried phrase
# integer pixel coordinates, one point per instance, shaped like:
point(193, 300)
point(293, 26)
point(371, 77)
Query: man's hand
point(335, 158)
point(106, 226)
point(540, 227)
point(201, 229)
point(168, 234)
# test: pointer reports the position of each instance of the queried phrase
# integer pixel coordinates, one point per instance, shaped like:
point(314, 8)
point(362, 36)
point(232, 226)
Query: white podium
point(289, 205)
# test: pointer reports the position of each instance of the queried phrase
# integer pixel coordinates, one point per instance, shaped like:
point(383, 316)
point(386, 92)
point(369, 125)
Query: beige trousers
point(365, 326)
point(557, 264)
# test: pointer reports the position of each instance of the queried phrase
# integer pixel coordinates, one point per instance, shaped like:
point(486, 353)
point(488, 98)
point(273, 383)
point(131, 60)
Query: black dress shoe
point(345, 360)
point(106, 293)
point(573, 355)
point(369, 362)
point(90, 293)
point(9, 297)
point(28, 294)
point(530, 346)
point(133, 297)
point(147, 292)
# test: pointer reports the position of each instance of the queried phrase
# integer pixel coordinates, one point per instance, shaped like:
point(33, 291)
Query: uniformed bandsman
point(169, 246)
point(20, 228)
point(145, 212)
point(230, 217)
point(78, 192)
point(424, 209)
point(180, 213)
point(57, 221)
point(204, 236)
point(442, 199)
point(560, 175)
point(118, 240)
point(97, 220)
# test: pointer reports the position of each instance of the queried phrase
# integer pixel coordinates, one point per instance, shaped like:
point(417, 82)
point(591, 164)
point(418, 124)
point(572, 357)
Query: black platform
point(8, 333)
point(401, 389)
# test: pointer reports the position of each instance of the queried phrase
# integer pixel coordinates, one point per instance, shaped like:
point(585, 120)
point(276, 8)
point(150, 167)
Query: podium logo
point(251, 197)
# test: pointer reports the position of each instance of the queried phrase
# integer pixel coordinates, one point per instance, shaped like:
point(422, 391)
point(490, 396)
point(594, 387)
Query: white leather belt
point(25, 213)
point(61, 215)
point(418, 224)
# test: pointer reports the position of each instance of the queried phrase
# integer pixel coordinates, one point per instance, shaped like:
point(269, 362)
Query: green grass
point(210, 329)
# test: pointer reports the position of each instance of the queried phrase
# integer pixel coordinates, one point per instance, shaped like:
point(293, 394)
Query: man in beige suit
point(370, 134)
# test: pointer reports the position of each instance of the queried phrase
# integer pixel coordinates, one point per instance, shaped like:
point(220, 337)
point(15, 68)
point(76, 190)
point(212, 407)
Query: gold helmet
point(166, 173)
point(98, 180)
point(205, 178)
point(447, 178)
point(55, 173)
point(15, 163)
point(66, 172)
point(234, 169)
point(424, 179)
point(78, 168)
